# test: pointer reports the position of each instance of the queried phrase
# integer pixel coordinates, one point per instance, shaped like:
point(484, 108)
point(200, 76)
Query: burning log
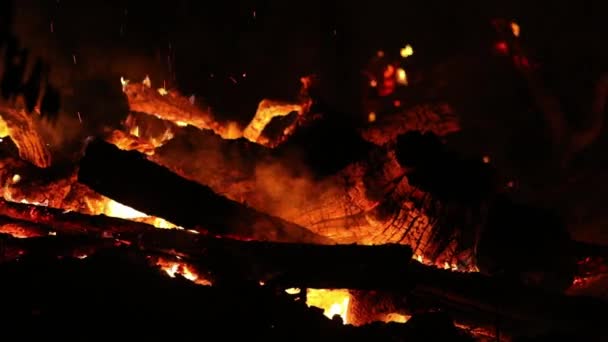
point(150, 188)
point(167, 105)
point(20, 126)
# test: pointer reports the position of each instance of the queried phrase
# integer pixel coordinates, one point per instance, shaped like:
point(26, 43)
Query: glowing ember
point(397, 318)
point(267, 110)
point(373, 83)
point(333, 302)
point(407, 51)
point(371, 117)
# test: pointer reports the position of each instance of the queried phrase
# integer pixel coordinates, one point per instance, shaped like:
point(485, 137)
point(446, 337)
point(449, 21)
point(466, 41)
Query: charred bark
point(131, 179)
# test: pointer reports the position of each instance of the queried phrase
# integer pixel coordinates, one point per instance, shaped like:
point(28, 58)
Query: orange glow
point(373, 83)
point(397, 103)
point(333, 302)
point(486, 159)
point(380, 53)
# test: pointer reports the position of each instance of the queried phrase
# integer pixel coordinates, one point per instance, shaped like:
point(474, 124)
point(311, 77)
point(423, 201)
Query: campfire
point(394, 237)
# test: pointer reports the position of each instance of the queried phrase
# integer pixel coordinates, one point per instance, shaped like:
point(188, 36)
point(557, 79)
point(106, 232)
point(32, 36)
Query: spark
point(254, 14)
point(232, 79)
point(74, 58)
point(380, 53)
point(52, 28)
point(244, 75)
point(486, 159)
point(79, 117)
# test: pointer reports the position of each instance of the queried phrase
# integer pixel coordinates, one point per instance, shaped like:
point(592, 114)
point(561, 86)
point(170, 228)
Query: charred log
point(139, 183)
point(109, 284)
point(283, 264)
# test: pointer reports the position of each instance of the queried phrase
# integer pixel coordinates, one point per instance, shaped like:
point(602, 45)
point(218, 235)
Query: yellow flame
point(162, 91)
point(16, 178)
point(333, 302)
point(406, 51)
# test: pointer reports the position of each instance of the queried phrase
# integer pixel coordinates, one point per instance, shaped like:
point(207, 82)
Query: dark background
point(199, 45)
point(204, 48)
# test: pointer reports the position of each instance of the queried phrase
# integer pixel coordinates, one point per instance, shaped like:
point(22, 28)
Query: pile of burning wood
point(177, 217)
point(239, 255)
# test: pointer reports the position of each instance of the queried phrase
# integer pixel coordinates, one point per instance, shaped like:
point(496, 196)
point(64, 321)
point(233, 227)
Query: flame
point(112, 208)
point(162, 91)
point(172, 268)
point(333, 302)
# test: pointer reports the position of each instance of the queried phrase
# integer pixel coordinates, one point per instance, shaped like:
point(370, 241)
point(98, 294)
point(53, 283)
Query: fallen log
point(282, 264)
point(129, 178)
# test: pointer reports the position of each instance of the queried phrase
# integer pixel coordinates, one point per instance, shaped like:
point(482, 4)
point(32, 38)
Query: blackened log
point(129, 178)
point(282, 264)
point(286, 265)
